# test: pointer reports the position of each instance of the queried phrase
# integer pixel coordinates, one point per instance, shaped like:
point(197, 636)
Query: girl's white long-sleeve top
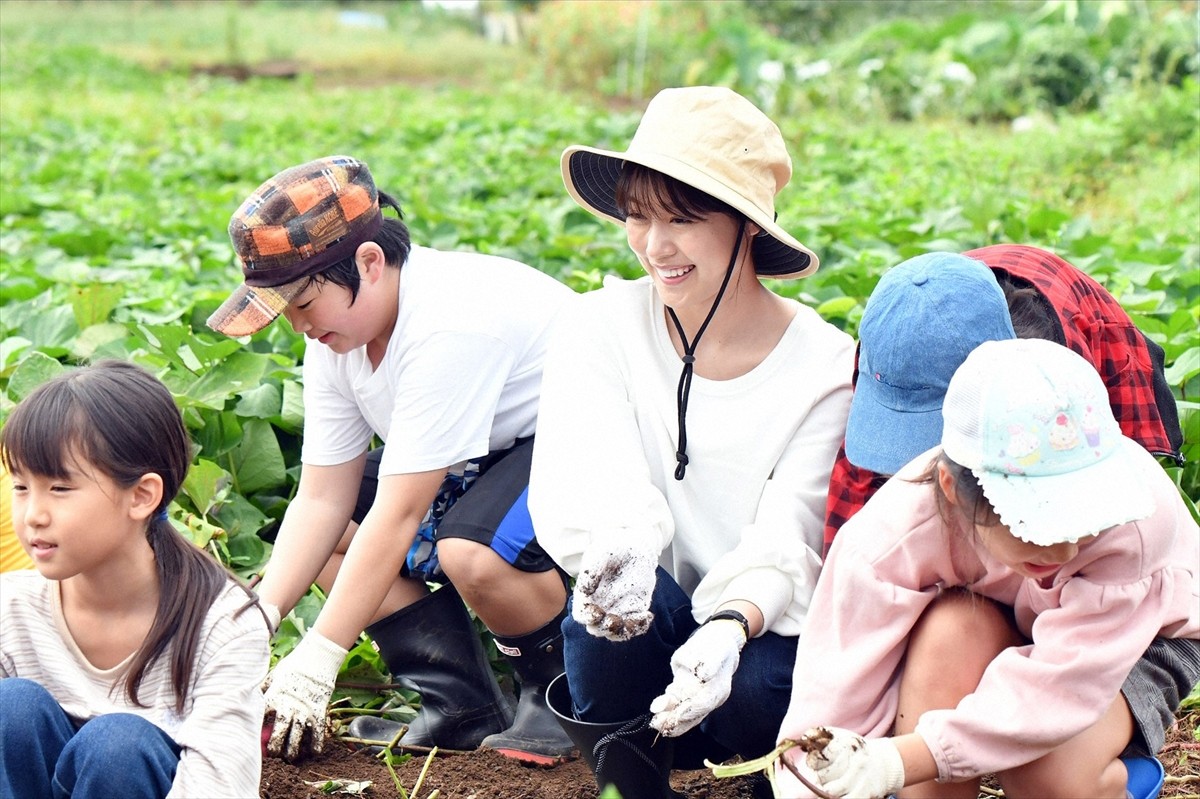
point(220, 727)
point(746, 521)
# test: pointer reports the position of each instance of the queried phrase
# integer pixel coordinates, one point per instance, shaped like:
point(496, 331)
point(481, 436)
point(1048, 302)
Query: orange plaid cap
point(295, 225)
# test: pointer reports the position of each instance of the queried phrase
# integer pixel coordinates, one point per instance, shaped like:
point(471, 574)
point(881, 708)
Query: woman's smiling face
point(682, 237)
point(686, 258)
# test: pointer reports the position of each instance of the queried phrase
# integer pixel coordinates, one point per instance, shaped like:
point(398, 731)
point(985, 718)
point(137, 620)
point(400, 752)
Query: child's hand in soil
point(297, 694)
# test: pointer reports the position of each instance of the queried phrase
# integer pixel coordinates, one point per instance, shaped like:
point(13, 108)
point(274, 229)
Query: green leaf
point(1186, 366)
point(1192, 702)
point(217, 433)
point(239, 517)
point(206, 483)
point(263, 402)
point(34, 370)
point(1046, 221)
point(247, 551)
point(11, 348)
point(292, 413)
point(199, 531)
point(92, 304)
point(838, 306)
point(94, 337)
point(52, 327)
point(257, 460)
point(241, 371)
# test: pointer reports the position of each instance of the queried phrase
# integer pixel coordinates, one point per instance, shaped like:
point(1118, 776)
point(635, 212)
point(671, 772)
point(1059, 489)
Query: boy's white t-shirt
point(461, 375)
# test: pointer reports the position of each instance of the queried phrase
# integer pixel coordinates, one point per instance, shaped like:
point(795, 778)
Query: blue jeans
point(616, 681)
point(43, 754)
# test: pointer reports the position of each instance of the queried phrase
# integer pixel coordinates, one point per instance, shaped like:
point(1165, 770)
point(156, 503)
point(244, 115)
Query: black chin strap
point(689, 358)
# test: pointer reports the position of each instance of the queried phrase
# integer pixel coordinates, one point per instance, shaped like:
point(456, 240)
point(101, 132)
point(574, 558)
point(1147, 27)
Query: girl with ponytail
point(127, 665)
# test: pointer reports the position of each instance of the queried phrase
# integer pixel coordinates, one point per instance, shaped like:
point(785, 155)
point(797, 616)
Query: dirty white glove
point(613, 589)
point(297, 693)
point(702, 677)
point(787, 781)
point(849, 765)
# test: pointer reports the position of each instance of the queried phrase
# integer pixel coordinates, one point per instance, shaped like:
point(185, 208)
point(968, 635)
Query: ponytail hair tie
point(161, 516)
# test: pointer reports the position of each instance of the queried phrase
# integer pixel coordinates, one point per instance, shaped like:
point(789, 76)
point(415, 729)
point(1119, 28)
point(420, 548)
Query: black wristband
point(734, 616)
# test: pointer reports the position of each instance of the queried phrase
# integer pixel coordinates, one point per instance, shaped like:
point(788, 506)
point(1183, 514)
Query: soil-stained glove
point(298, 692)
point(703, 674)
point(849, 765)
point(612, 591)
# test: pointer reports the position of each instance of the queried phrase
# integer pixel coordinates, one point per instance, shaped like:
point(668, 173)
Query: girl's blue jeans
point(43, 754)
point(616, 681)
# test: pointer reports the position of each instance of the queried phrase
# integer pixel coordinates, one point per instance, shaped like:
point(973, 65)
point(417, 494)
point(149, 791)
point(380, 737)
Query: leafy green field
point(120, 167)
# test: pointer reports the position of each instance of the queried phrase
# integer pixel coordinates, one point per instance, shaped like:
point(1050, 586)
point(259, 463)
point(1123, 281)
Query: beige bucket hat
point(712, 139)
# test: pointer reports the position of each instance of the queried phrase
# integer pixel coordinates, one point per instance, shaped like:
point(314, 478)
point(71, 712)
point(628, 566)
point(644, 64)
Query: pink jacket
point(1129, 585)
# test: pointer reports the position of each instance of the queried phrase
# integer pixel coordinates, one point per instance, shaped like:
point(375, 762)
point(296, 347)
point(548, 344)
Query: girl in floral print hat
point(1074, 571)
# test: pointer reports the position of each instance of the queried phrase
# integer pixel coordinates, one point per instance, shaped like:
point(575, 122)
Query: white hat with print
point(1030, 418)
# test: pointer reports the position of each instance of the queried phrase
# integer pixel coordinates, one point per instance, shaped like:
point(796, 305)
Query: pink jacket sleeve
point(873, 588)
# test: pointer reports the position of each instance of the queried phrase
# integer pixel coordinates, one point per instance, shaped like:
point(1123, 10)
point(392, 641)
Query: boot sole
point(535, 758)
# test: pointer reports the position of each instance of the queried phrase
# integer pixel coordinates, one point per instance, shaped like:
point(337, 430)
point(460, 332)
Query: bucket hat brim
point(591, 176)
point(716, 141)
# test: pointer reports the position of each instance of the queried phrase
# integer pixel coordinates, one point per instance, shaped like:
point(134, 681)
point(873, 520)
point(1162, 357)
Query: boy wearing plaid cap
point(439, 355)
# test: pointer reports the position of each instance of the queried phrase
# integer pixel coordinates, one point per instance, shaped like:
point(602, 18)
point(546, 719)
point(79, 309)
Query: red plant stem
point(804, 781)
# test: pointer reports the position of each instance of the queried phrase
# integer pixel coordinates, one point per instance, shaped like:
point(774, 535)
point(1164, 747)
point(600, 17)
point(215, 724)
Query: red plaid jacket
point(1095, 326)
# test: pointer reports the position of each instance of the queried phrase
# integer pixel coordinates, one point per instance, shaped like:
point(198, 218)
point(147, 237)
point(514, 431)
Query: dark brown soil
point(482, 774)
point(487, 775)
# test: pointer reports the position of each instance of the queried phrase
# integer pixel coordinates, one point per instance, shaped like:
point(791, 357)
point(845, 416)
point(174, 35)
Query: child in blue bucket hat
point(1076, 567)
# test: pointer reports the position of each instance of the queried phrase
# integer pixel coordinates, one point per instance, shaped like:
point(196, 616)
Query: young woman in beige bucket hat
point(688, 425)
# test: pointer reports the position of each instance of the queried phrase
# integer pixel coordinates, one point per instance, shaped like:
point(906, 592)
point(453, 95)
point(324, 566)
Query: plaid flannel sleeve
point(849, 489)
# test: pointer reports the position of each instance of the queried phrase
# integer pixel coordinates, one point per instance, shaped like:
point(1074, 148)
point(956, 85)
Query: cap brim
point(882, 439)
point(251, 308)
point(1057, 508)
point(591, 175)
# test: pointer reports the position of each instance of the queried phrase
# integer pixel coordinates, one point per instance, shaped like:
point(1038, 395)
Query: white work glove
point(297, 693)
point(846, 764)
point(613, 589)
point(272, 613)
point(703, 674)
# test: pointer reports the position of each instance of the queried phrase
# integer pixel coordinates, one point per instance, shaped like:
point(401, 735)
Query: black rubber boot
point(535, 736)
point(630, 756)
point(432, 647)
